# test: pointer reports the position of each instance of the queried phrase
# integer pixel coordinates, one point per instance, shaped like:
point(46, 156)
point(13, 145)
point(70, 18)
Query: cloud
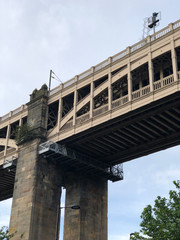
point(163, 178)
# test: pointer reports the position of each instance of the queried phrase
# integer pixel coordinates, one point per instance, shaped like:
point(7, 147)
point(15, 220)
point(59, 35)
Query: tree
point(161, 222)
point(4, 233)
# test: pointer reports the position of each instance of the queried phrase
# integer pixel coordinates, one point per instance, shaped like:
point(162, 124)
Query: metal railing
point(8, 161)
point(116, 170)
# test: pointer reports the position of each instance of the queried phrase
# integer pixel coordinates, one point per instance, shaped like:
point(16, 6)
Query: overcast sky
point(69, 37)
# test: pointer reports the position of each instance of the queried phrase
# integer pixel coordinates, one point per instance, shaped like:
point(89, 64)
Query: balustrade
point(163, 82)
point(54, 90)
point(119, 56)
point(68, 83)
point(141, 92)
point(84, 74)
point(176, 24)
point(12, 113)
point(161, 33)
point(120, 101)
point(101, 65)
point(138, 45)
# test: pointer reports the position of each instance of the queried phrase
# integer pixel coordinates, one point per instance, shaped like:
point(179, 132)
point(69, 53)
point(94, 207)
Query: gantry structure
point(125, 107)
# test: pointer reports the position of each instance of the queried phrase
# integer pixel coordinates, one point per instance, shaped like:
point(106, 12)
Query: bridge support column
point(90, 221)
point(37, 186)
point(36, 196)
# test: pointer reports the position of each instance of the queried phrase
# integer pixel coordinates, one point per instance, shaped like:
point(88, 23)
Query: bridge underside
point(146, 130)
point(149, 129)
point(7, 176)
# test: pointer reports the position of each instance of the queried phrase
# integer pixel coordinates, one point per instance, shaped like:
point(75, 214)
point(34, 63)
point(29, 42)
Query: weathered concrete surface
point(90, 221)
point(37, 187)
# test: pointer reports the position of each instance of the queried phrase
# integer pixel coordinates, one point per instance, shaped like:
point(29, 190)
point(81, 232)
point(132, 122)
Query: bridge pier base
point(90, 221)
point(36, 196)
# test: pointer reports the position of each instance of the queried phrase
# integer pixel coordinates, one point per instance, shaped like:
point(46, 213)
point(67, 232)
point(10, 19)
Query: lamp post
point(73, 207)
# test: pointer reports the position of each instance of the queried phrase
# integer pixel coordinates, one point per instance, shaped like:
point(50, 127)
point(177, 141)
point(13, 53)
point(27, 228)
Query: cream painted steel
point(127, 60)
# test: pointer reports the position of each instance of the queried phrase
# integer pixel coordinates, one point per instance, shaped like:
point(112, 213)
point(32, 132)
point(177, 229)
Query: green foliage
point(161, 222)
point(4, 234)
point(24, 133)
point(36, 93)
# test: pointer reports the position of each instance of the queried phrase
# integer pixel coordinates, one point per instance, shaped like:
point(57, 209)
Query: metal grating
point(80, 162)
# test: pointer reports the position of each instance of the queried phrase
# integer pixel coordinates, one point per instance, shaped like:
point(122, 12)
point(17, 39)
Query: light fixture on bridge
point(74, 207)
point(151, 23)
point(153, 20)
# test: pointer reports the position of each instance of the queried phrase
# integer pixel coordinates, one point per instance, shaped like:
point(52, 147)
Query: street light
point(74, 207)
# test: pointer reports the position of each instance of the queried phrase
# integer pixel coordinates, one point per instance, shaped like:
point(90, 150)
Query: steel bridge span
point(123, 108)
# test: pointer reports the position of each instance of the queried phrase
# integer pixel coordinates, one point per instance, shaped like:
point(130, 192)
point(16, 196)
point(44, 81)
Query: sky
point(69, 37)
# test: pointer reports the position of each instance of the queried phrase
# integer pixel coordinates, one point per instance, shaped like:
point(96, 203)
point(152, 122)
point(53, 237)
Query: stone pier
point(37, 190)
point(37, 187)
point(90, 221)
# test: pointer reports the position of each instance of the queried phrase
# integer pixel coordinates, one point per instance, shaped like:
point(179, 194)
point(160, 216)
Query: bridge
point(125, 107)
